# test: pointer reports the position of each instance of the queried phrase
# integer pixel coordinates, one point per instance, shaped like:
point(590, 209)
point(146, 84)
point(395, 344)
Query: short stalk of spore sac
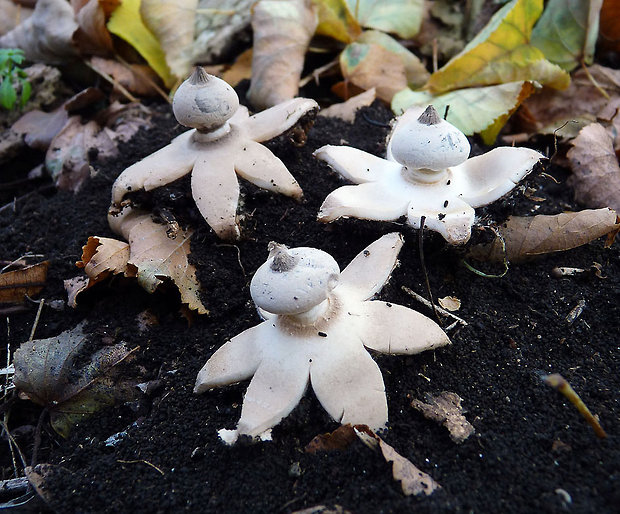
point(426, 174)
point(558, 382)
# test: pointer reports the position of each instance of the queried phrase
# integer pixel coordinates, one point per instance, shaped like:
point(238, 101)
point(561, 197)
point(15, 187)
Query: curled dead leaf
point(16, 285)
point(450, 303)
point(135, 78)
point(413, 481)
point(102, 256)
point(45, 372)
point(346, 110)
point(282, 32)
point(445, 408)
point(596, 173)
point(156, 254)
point(520, 238)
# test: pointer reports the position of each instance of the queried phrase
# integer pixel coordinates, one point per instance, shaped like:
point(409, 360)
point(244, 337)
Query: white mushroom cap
point(294, 280)
point(428, 142)
point(204, 102)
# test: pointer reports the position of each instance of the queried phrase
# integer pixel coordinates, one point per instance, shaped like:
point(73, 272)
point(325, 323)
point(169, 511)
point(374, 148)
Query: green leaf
point(336, 20)
point(8, 96)
point(501, 53)
point(26, 92)
point(401, 17)
point(481, 110)
point(567, 31)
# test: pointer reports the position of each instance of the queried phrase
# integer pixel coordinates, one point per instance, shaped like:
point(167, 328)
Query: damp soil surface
point(531, 452)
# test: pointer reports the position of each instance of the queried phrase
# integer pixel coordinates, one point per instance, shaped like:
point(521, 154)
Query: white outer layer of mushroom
point(224, 143)
point(325, 345)
point(426, 173)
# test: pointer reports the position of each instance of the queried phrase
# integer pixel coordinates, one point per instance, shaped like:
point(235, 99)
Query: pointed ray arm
point(395, 329)
point(370, 270)
point(277, 386)
point(215, 189)
point(158, 169)
point(453, 221)
point(349, 384)
point(487, 177)
point(356, 165)
point(277, 119)
point(234, 361)
point(370, 201)
point(256, 164)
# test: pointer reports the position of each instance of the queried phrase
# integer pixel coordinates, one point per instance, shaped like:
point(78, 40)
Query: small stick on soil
point(558, 382)
point(37, 438)
point(143, 462)
point(14, 486)
point(238, 255)
point(36, 321)
point(440, 310)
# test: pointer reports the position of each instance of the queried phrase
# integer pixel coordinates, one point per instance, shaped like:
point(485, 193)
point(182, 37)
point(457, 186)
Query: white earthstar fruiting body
point(319, 339)
point(224, 142)
point(426, 174)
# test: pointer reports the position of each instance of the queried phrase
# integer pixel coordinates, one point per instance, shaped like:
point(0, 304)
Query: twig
point(14, 486)
point(36, 319)
point(439, 309)
point(238, 255)
point(593, 80)
point(112, 81)
point(27, 255)
point(316, 73)
point(37, 438)
point(428, 284)
point(145, 77)
point(143, 462)
point(558, 382)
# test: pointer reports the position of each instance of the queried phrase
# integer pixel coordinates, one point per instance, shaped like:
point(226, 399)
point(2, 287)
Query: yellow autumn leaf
point(127, 24)
point(475, 110)
point(501, 53)
point(336, 20)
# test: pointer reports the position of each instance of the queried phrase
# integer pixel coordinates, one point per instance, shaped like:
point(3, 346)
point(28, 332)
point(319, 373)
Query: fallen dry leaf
point(413, 481)
point(47, 35)
point(445, 408)
point(45, 373)
point(74, 286)
point(37, 476)
point(526, 237)
point(103, 256)
point(136, 78)
point(29, 281)
point(596, 173)
point(92, 36)
point(371, 65)
point(172, 23)
point(282, 31)
point(450, 303)
point(155, 255)
point(565, 113)
point(346, 110)
point(609, 26)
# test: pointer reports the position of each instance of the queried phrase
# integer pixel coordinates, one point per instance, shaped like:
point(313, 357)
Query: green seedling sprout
point(558, 382)
point(10, 73)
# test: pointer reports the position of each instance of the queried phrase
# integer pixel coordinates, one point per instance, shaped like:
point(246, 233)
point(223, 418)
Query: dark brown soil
point(532, 451)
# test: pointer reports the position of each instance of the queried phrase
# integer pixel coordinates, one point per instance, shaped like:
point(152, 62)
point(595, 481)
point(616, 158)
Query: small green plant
point(10, 73)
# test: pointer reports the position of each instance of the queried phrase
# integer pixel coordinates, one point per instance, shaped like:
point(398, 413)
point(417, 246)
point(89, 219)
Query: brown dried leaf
point(565, 113)
point(596, 173)
point(45, 372)
point(136, 78)
point(29, 281)
point(92, 36)
point(36, 476)
point(609, 25)
point(371, 65)
point(74, 286)
point(445, 408)
point(346, 110)
point(282, 32)
point(529, 236)
point(155, 256)
point(339, 439)
point(102, 256)
point(412, 480)
point(47, 35)
point(450, 303)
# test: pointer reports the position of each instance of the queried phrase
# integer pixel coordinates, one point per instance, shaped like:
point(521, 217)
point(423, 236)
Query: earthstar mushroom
point(426, 174)
point(318, 325)
point(224, 142)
